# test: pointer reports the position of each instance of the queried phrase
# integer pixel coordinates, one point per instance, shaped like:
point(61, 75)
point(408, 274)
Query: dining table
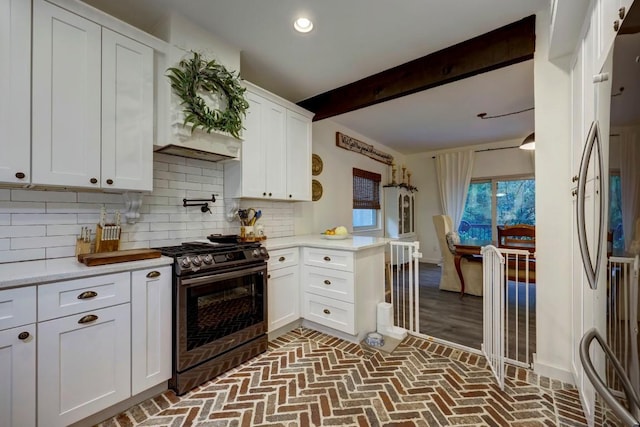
point(471, 250)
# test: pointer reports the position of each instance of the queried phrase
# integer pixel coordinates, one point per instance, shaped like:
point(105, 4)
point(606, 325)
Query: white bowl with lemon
point(336, 233)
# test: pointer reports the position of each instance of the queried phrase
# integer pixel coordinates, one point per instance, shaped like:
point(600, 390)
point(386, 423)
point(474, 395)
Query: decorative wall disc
point(316, 165)
point(316, 190)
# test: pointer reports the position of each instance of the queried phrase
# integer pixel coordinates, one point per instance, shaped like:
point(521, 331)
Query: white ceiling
point(357, 38)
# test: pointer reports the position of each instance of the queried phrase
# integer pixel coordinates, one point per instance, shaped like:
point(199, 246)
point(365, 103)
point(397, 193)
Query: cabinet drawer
point(339, 260)
point(75, 296)
point(329, 283)
point(283, 258)
point(329, 312)
point(17, 307)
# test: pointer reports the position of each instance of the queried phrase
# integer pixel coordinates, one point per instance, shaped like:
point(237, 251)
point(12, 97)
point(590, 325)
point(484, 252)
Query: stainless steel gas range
point(220, 308)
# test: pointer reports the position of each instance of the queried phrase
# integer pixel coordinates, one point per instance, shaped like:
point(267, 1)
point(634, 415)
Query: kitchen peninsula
point(329, 285)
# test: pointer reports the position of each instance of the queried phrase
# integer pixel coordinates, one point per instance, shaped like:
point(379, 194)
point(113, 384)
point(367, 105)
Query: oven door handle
point(222, 276)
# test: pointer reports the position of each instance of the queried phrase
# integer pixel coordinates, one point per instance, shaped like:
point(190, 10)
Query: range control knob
point(230, 256)
point(196, 261)
point(264, 253)
point(186, 262)
point(207, 259)
point(255, 253)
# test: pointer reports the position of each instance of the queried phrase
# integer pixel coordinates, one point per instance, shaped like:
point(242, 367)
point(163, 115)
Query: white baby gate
point(405, 284)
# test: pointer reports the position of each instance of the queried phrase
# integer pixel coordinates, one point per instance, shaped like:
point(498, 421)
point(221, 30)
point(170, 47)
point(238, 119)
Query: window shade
point(366, 189)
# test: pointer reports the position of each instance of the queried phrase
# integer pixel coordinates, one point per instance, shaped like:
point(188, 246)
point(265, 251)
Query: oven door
point(216, 312)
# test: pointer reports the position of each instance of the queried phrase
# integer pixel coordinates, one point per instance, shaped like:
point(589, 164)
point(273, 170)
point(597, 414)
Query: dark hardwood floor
point(445, 315)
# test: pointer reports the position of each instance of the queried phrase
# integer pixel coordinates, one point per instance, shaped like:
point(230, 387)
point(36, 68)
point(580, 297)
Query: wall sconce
point(529, 142)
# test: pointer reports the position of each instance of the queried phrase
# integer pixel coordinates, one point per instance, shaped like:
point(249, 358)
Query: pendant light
point(529, 142)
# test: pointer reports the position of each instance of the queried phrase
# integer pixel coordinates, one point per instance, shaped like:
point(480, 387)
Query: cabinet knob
point(20, 175)
point(23, 335)
point(268, 276)
point(110, 181)
point(264, 194)
point(574, 192)
point(269, 194)
point(327, 258)
point(87, 295)
point(153, 274)
point(88, 319)
point(290, 196)
point(327, 282)
point(326, 311)
point(281, 259)
point(622, 12)
point(616, 25)
point(574, 178)
point(93, 180)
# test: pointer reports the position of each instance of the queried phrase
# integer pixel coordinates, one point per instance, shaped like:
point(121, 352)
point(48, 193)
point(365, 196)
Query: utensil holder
point(107, 238)
point(82, 247)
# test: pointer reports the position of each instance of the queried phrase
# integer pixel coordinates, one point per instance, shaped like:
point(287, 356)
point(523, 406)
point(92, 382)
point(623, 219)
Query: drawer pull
point(153, 274)
point(20, 175)
point(281, 259)
point(268, 276)
point(327, 258)
point(87, 295)
point(326, 311)
point(88, 318)
point(327, 282)
point(23, 335)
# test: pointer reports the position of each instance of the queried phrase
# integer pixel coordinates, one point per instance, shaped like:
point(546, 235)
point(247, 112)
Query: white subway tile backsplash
point(42, 242)
point(22, 255)
point(22, 231)
point(42, 218)
point(43, 196)
point(22, 207)
point(37, 224)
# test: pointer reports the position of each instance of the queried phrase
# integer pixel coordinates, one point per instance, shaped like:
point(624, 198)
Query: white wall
point(553, 208)
point(45, 224)
point(335, 206)
point(494, 163)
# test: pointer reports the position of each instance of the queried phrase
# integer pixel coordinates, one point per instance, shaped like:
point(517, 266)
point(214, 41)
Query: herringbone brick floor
point(311, 379)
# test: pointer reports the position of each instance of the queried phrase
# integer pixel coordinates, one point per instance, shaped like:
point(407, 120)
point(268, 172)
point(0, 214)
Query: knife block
point(106, 243)
point(82, 247)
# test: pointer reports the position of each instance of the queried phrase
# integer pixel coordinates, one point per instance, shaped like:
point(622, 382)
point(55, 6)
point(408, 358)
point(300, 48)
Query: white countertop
point(16, 274)
point(352, 243)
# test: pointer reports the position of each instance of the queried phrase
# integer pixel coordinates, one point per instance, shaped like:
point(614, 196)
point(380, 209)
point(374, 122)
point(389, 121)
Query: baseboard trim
point(437, 261)
point(553, 372)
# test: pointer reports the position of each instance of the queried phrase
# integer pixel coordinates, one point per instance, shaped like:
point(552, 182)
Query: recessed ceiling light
point(303, 25)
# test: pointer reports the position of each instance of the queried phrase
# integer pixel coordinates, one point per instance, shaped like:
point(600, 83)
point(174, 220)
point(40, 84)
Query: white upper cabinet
point(276, 152)
point(93, 104)
point(66, 98)
point(15, 87)
point(298, 156)
point(127, 113)
point(610, 14)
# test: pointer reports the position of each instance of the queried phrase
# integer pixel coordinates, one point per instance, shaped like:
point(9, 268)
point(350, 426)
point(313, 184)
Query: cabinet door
point(18, 373)
point(127, 113)
point(83, 366)
point(274, 141)
point(15, 87)
point(150, 328)
point(608, 14)
point(283, 297)
point(253, 148)
point(298, 157)
point(66, 98)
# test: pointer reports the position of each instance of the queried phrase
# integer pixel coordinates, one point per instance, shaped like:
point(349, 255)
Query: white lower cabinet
point(343, 288)
point(18, 373)
point(150, 328)
point(283, 288)
point(84, 364)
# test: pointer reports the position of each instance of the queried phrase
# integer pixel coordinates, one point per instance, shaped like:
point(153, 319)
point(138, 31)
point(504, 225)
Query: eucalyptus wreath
point(195, 75)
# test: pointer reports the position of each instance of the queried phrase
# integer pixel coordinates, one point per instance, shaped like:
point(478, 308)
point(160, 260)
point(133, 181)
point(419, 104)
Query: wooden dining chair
point(523, 237)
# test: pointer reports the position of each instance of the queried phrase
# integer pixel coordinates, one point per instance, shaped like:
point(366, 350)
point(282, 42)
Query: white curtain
point(629, 184)
point(454, 176)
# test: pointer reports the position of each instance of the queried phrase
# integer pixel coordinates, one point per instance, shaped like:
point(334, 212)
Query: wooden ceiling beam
point(499, 48)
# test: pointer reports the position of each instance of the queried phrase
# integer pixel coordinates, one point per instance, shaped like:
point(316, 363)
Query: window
point(615, 212)
point(497, 202)
point(366, 199)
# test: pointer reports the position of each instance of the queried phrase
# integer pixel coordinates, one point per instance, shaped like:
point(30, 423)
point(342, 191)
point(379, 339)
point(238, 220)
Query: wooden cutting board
point(103, 258)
